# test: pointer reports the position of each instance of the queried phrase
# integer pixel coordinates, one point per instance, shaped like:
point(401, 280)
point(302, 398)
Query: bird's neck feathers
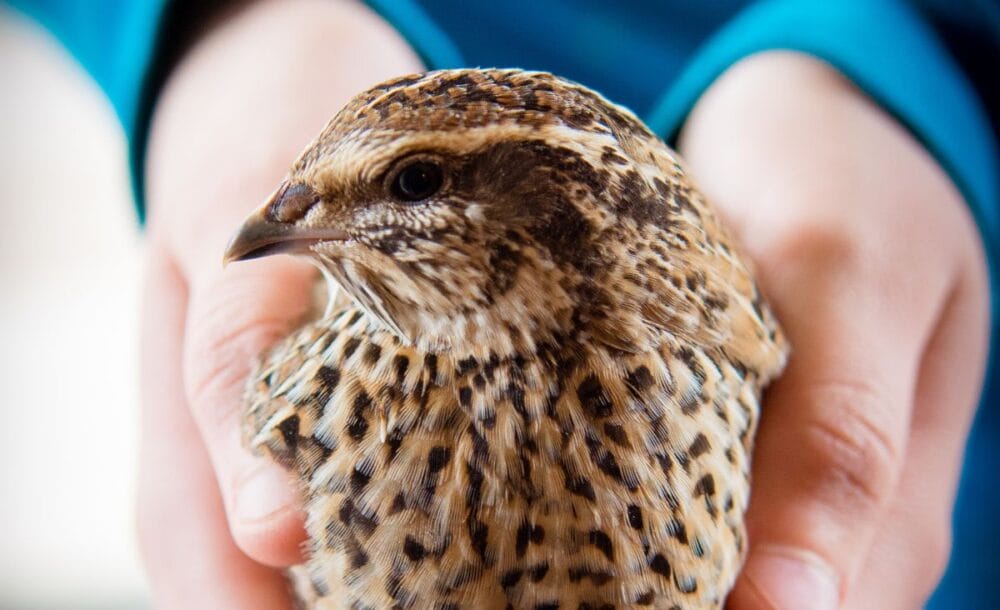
point(503, 315)
point(528, 302)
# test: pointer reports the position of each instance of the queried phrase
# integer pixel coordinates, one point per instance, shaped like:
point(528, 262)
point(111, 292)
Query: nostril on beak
point(292, 203)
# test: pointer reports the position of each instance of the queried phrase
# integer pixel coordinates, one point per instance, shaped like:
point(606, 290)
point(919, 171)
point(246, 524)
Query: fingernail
point(263, 493)
point(788, 578)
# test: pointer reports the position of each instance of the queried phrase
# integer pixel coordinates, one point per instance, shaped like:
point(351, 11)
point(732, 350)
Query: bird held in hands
point(544, 390)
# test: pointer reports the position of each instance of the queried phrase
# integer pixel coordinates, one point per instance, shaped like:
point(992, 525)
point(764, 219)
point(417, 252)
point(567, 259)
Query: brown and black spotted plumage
point(545, 392)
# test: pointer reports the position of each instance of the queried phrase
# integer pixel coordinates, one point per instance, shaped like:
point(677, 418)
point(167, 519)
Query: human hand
point(239, 108)
point(876, 271)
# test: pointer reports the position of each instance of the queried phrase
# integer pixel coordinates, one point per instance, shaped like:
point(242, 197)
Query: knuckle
point(934, 552)
point(808, 245)
point(149, 527)
point(851, 461)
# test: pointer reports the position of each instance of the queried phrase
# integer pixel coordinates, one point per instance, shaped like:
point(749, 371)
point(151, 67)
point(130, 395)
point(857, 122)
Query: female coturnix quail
point(545, 391)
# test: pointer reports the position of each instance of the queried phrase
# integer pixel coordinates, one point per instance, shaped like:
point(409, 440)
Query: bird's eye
point(417, 181)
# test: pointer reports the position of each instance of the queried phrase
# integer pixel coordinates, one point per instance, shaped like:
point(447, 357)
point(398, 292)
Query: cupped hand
point(876, 271)
point(241, 106)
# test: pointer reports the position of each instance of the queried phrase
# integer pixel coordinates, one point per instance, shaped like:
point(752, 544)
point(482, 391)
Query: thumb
point(831, 444)
point(826, 464)
point(233, 317)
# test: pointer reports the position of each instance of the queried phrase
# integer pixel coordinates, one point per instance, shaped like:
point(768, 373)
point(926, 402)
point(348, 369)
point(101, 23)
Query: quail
point(543, 388)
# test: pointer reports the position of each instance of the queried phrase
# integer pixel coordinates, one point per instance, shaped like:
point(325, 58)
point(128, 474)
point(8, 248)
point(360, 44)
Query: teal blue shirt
point(933, 64)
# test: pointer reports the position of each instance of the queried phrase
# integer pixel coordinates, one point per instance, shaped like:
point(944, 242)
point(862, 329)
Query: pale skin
point(862, 244)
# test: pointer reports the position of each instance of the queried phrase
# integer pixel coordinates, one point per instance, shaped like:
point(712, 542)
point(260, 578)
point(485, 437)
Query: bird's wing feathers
point(702, 288)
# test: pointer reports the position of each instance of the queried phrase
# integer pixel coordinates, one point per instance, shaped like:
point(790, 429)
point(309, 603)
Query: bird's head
point(460, 205)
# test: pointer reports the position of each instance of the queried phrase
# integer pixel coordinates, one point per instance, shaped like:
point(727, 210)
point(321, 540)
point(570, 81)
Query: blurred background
point(70, 263)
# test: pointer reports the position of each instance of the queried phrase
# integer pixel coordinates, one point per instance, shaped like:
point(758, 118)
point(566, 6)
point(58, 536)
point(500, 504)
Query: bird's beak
point(263, 233)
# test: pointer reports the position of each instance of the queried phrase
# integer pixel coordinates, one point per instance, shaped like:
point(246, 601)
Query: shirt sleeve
point(889, 52)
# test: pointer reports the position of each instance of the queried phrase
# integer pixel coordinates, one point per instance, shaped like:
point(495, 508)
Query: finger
point(233, 318)
point(833, 431)
point(248, 129)
point(910, 551)
point(191, 560)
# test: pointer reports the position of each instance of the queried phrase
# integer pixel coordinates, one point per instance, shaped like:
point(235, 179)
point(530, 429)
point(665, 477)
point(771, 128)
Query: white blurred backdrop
point(70, 262)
